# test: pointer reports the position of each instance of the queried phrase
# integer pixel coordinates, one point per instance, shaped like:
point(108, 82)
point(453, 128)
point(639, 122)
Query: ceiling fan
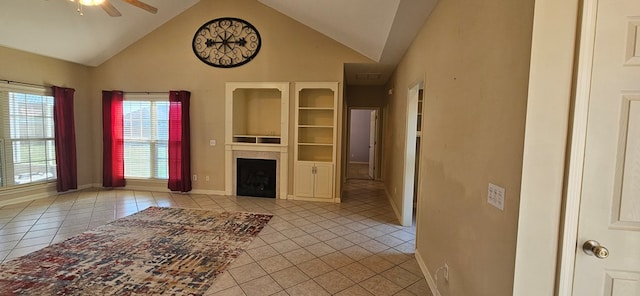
point(112, 10)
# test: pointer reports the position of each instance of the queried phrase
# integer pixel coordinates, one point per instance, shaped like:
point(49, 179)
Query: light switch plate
point(212, 142)
point(495, 196)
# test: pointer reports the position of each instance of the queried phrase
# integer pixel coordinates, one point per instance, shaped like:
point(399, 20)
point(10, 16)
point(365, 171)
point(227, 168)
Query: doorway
point(411, 175)
point(363, 143)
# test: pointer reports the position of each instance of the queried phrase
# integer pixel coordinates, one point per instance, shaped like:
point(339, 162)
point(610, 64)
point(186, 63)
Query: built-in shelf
point(315, 139)
point(256, 139)
point(316, 153)
point(315, 126)
point(258, 113)
point(315, 144)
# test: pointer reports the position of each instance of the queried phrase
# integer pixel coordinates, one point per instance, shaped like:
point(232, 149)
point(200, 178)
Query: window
point(146, 135)
point(27, 148)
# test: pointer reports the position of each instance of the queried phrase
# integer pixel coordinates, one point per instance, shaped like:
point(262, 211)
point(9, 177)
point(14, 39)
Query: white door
point(372, 142)
point(610, 201)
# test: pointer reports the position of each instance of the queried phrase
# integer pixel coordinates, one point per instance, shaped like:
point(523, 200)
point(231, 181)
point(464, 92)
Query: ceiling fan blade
point(110, 9)
point(142, 5)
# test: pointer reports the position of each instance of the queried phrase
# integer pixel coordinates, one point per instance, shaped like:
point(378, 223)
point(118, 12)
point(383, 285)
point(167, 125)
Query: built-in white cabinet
point(314, 180)
point(315, 139)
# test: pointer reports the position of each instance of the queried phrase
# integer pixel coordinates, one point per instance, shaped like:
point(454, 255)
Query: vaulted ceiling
point(379, 29)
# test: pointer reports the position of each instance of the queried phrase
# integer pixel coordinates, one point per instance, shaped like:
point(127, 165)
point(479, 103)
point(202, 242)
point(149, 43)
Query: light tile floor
point(308, 248)
point(358, 171)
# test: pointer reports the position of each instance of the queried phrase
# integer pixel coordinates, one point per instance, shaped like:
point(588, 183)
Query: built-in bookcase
point(259, 113)
point(315, 139)
point(316, 121)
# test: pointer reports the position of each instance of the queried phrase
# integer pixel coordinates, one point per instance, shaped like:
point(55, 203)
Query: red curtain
point(113, 140)
point(179, 141)
point(65, 139)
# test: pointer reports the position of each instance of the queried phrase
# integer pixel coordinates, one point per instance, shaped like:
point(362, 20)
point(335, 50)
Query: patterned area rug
point(156, 251)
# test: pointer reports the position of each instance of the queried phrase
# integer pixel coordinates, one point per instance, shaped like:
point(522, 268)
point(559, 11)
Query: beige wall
point(35, 69)
point(474, 56)
point(164, 60)
point(366, 96)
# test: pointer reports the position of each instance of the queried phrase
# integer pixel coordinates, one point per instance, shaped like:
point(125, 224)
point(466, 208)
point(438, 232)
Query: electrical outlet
point(195, 177)
point(495, 196)
point(206, 178)
point(212, 142)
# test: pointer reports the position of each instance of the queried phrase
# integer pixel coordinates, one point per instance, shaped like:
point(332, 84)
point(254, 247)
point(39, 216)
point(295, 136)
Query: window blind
point(146, 135)
point(27, 152)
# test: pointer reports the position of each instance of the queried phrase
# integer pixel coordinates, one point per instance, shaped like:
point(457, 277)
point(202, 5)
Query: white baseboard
point(25, 198)
point(163, 188)
point(433, 286)
point(48, 190)
point(393, 205)
point(333, 200)
point(207, 192)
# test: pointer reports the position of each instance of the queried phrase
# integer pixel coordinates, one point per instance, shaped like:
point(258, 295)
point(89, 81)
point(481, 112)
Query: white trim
point(393, 205)
point(160, 189)
point(26, 88)
point(17, 189)
point(205, 192)
point(151, 97)
point(578, 142)
point(282, 148)
point(427, 276)
point(141, 188)
point(30, 197)
point(49, 190)
point(409, 170)
point(377, 171)
point(542, 190)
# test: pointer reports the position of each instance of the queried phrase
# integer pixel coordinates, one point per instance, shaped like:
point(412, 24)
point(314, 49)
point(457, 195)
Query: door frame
point(545, 168)
point(373, 142)
point(376, 148)
point(575, 167)
point(410, 153)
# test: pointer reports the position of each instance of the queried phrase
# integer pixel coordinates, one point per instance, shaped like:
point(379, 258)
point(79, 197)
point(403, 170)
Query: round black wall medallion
point(226, 42)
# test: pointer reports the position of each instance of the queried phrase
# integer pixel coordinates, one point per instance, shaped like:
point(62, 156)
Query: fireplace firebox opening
point(256, 177)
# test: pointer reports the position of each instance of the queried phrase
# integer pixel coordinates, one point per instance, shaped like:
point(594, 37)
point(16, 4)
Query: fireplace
point(256, 177)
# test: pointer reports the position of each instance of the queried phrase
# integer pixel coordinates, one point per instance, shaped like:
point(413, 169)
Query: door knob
point(593, 248)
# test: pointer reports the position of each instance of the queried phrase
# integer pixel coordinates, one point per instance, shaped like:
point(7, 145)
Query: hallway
point(309, 248)
point(358, 171)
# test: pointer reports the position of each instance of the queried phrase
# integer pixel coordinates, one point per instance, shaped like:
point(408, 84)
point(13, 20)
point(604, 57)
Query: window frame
point(153, 142)
point(7, 165)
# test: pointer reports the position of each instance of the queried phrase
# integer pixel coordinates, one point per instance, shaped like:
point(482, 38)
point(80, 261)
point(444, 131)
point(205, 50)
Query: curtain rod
point(22, 83)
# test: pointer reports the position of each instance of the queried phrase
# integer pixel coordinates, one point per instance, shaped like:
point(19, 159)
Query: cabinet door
point(324, 180)
point(304, 179)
